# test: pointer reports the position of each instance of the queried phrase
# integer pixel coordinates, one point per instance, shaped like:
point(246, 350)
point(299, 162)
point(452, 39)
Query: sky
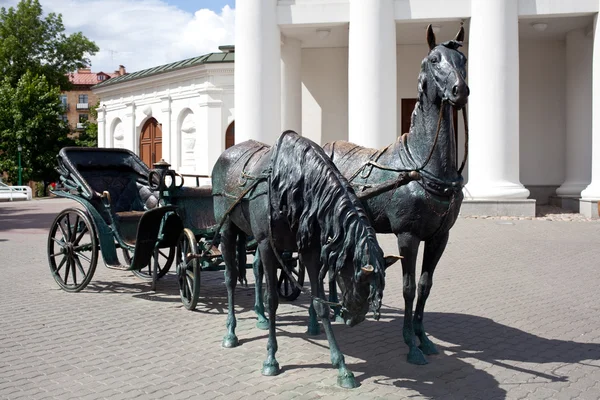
point(140, 34)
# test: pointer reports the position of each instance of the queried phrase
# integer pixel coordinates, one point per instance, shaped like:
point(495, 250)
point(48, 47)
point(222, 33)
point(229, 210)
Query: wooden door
point(230, 135)
point(408, 105)
point(151, 142)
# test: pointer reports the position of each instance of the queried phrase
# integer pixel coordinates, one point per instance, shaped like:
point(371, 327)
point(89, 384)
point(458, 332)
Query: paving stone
point(513, 310)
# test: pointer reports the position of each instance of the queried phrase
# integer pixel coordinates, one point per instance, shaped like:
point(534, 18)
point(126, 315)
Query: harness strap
point(464, 161)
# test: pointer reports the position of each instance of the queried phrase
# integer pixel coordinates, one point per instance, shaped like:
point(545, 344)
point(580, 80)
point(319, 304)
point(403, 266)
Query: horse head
point(443, 71)
point(362, 287)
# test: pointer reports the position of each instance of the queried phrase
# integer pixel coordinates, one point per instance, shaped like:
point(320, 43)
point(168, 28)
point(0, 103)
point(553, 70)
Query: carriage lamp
point(20, 148)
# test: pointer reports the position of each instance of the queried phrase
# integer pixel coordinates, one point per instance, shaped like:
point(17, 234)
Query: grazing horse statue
point(290, 197)
point(424, 209)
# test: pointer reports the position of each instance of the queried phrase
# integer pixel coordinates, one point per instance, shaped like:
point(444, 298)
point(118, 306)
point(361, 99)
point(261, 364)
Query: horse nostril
point(455, 90)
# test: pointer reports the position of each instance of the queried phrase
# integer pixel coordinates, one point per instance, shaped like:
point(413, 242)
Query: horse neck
point(421, 138)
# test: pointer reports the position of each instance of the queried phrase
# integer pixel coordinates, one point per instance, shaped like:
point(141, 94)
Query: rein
point(418, 173)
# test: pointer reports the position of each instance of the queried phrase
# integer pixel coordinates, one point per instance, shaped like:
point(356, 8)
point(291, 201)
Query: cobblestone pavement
point(514, 311)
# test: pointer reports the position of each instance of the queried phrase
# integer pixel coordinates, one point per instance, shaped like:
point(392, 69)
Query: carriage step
point(118, 267)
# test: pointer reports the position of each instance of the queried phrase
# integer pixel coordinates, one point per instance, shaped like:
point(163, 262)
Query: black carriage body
point(113, 186)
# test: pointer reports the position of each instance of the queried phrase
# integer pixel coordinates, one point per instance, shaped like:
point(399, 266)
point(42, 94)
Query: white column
point(578, 107)
point(372, 103)
point(167, 131)
point(592, 192)
point(291, 85)
point(102, 139)
point(494, 101)
point(209, 132)
point(130, 140)
point(257, 71)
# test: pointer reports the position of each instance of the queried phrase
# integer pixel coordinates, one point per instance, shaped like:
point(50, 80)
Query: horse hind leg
point(259, 305)
point(228, 250)
point(433, 251)
point(409, 246)
point(345, 376)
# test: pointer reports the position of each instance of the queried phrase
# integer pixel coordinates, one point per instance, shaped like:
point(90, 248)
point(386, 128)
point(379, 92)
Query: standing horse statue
point(426, 208)
point(290, 197)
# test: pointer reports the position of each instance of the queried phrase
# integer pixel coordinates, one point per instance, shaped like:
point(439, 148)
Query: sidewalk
point(514, 310)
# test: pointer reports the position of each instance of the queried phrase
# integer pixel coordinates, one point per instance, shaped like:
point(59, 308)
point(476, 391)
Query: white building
point(175, 111)
point(347, 69)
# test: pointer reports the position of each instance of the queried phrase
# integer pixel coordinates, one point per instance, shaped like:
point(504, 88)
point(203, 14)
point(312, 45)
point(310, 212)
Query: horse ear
point(391, 260)
point(430, 37)
point(365, 272)
point(460, 36)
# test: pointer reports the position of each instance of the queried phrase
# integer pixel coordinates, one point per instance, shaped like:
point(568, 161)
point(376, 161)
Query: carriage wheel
point(286, 288)
point(165, 260)
point(188, 270)
point(72, 249)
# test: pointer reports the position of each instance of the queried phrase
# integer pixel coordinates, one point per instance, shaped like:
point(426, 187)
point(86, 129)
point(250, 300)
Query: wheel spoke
point(189, 287)
point(75, 227)
point(62, 230)
point(68, 226)
point(79, 266)
point(68, 269)
point(74, 271)
point(61, 243)
point(83, 232)
point(61, 264)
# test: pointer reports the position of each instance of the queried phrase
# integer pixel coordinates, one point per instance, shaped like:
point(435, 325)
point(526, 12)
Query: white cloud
point(142, 33)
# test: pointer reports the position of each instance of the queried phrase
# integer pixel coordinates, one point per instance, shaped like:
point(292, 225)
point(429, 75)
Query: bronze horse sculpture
point(424, 209)
point(290, 197)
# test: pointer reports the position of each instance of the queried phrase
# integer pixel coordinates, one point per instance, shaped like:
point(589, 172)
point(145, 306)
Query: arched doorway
point(151, 142)
point(230, 135)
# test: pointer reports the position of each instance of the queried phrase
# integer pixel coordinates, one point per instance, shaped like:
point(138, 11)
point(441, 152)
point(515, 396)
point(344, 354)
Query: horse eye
point(435, 59)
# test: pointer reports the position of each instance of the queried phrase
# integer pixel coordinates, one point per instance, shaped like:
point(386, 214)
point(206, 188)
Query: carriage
point(146, 215)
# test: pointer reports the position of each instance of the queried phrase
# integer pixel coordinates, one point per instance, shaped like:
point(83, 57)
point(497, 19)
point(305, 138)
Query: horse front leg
point(228, 250)
point(259, 305)
point(270, 264)
point(409, 247)
point(345, 376)
point(434, 248)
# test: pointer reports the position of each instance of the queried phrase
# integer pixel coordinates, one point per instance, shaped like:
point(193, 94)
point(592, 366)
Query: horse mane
point(316, 199)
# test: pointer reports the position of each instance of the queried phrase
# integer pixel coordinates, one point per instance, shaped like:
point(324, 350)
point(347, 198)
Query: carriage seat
point(129, 198)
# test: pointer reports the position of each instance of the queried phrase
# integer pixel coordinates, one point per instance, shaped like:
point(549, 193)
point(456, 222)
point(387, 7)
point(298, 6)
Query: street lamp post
point(20, 148)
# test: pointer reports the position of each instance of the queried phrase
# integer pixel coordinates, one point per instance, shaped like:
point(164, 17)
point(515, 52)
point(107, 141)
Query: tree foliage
point(30, 117)
point(89, 136)
point(35, 57)
point(30, 42)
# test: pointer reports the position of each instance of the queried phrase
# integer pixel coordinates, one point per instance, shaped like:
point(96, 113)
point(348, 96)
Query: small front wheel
point(285, 286)
point(72, 249)
point(164, 257)
point(188, 269)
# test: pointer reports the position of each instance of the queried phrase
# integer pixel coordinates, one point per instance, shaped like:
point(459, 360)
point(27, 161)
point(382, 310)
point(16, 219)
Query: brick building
point(78, 101)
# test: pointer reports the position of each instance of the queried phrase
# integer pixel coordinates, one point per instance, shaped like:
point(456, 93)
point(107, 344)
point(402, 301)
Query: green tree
point(30, 42)
point(30, 116)
point(89, 136)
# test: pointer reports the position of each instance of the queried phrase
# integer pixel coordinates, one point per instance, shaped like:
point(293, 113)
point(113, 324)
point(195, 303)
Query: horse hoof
point(230, 341)
point(270, 369)
point(416, 356)
point(347, 380)
point(262, 324)
point(428, 348)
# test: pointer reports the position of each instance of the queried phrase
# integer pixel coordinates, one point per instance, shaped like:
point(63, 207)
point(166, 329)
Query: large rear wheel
point(72, 249)
point(188, 269)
